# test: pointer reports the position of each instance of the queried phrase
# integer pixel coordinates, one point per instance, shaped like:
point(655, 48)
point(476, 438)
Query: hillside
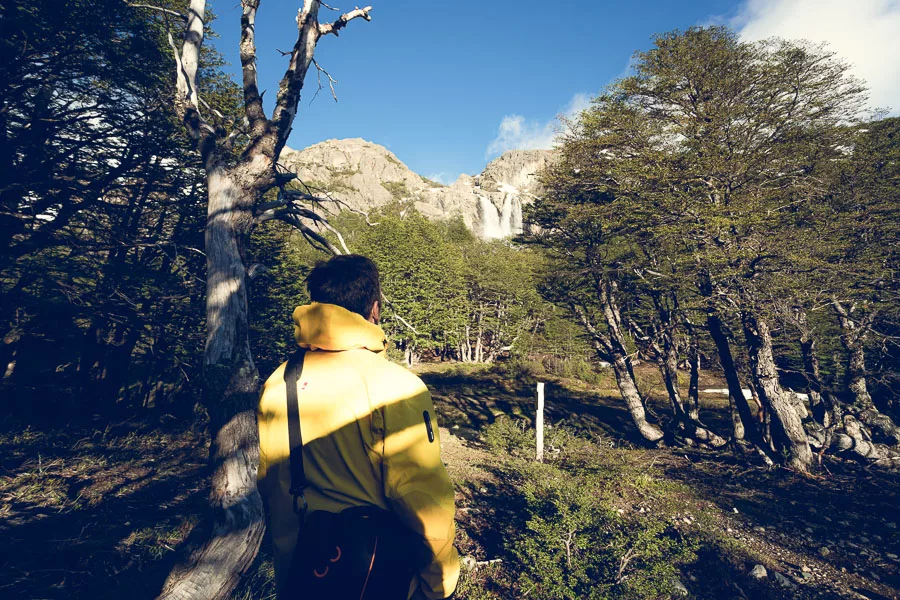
point(365, 175)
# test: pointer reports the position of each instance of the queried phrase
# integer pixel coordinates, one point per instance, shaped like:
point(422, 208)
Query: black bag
point(358, 553)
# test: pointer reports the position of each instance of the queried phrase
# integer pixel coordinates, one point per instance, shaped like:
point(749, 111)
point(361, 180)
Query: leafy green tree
point(422, 276)
point(708, 161)
point(100, 222)
point(502, 299)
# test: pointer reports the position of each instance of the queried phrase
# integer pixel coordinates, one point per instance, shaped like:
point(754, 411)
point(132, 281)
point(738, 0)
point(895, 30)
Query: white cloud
point(518, 133)
point(443, 177)
point(866, 33)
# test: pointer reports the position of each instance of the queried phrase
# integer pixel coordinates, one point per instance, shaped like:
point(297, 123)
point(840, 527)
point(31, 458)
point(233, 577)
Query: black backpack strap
point(295, 438)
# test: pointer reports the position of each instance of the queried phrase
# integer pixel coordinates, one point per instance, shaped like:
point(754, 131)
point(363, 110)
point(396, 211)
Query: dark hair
point(349, 280)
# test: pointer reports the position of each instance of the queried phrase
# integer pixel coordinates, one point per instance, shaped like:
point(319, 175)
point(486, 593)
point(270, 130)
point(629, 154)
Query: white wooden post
point(539, 422)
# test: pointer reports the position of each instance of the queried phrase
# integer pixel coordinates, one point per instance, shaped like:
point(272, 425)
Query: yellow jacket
point(365, 442)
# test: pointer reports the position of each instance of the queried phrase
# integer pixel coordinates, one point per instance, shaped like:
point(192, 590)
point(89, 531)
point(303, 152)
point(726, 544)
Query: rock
point(365, 175)
point(892, 556)
point(783, 581)
point(468, 562)
point(759, 529)
point(805, 569)
point(680, 590)
point(758, 572)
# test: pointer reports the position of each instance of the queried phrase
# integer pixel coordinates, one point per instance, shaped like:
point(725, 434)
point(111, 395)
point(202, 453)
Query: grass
point(87, 508)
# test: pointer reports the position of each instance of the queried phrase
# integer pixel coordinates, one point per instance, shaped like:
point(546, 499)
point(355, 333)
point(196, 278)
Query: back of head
point(350, 281)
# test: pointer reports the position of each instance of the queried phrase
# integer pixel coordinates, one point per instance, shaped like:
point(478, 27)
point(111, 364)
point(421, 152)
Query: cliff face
point(366, 176)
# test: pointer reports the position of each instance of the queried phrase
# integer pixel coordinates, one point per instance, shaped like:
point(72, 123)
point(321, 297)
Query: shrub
point(521, 368)
point(517, 438)
point(577, 545)
point(574, 541)
point(513, 437)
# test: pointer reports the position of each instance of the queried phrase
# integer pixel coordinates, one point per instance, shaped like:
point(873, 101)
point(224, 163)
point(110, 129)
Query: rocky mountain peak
point(366, 175)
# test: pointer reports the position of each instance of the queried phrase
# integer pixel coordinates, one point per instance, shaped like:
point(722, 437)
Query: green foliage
point(420, 275)
point(730, 177)
point(577, 541)
point(101, 208)
point(398, 189)
point(277, 290)
point(576, 368)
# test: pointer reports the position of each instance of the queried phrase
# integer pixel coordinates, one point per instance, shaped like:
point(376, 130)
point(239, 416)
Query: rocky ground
point(94, 509)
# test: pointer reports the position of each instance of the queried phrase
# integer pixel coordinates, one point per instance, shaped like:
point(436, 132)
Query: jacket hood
point(330, 327)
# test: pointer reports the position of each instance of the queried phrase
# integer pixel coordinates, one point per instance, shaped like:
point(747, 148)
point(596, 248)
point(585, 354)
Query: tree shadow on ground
point(88, 512)
point(845, 516)
point(841, 525)
point(472, 400)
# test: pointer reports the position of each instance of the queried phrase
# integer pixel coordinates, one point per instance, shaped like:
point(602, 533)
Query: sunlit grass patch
point(37, 487)
point(152, 543)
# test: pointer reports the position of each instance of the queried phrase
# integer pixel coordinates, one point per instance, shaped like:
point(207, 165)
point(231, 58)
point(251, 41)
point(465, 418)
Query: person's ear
point(375, 315)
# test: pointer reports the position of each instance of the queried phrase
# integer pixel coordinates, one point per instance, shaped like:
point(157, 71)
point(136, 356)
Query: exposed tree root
point(882, 426)
point(849, 437)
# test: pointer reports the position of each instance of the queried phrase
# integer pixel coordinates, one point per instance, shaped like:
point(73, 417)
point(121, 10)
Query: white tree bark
point(788, 429)
point(609, 352)
point(235, 203)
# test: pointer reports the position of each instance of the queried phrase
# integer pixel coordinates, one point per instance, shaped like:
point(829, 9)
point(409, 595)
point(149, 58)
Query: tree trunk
point(632, 396)
point(693, 403)
point(811, 370)
point(230, 377)
point(853, 339)
point(230, 396)
point(686, 422)
point(615, 354)
point(787, 427)
point(741, 413)
point(821, 401)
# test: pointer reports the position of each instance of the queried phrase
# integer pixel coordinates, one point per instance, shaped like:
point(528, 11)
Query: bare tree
point(237, 183)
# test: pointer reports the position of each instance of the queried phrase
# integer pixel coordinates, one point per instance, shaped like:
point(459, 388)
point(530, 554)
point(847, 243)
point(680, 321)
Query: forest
point(707, 283)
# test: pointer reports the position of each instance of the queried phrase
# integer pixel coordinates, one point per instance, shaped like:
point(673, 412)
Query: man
point(369, 433)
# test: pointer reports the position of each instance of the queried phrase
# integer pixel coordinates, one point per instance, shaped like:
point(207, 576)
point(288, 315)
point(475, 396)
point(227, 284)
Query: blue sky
point(447, 86)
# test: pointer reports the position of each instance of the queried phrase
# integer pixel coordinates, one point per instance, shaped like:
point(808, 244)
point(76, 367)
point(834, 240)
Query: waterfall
point(506, 216)
point(503, 223)
point(490, 219)
point(516, 216)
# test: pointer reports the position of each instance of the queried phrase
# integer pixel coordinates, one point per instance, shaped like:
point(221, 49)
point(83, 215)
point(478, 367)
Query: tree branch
point(313, 237)
point(298, 65)
point(253, 104)
point(166, 11)
point(396, 315)
point(190, 55)
point(309, 32)
point(331, 81)
point(341, 22)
